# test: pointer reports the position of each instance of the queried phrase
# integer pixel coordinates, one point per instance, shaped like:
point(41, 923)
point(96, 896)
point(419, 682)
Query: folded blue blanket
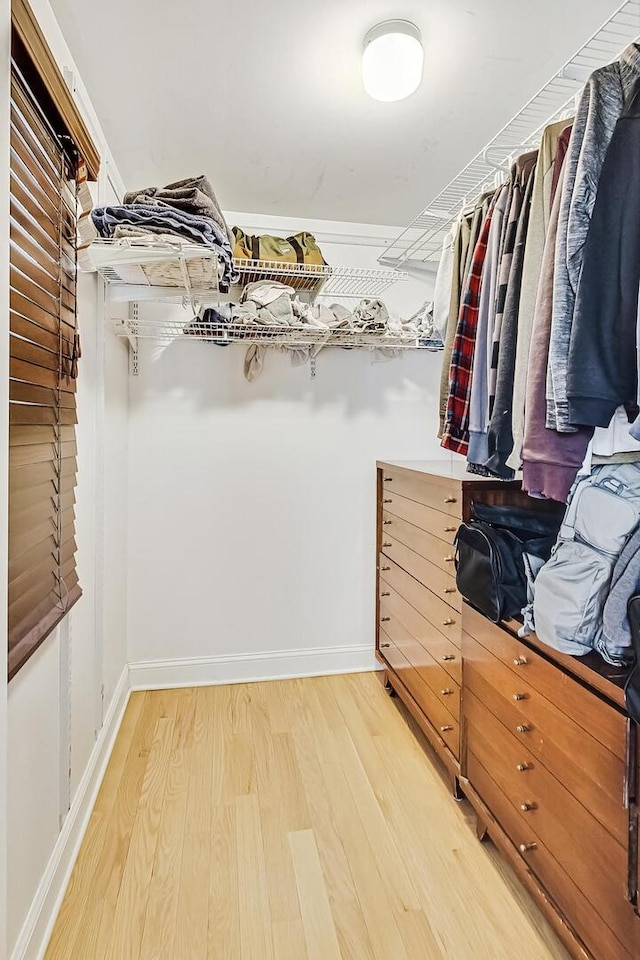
point(161, 219)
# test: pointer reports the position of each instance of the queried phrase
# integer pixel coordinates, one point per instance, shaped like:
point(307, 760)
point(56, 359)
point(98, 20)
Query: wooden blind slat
point(47, 177)
point(26, 308)
point(23, 642)
point(25, 392)
point(30, 496)
point(21, 413)
point(35, 473)
point(33, 228)
point(19, 566)
point(32, 353)
point(40, 376)
point(24, 521)
point(26, 435)
point(27, 330)
point(39, 452)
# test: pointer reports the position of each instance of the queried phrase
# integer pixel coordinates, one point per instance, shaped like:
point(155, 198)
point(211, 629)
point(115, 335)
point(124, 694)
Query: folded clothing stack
point(187, 209)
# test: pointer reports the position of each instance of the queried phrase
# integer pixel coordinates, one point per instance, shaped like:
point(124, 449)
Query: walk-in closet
point(320, 526)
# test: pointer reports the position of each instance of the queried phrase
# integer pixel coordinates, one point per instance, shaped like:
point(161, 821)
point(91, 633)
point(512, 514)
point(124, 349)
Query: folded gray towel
point(193, 195)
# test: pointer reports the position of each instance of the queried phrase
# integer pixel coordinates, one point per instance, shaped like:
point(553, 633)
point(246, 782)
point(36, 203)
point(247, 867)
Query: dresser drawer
point(424, 544)
point(428, 669)
point(596, 935)
point(598, 718)
point(440, 493)
point(589, 771)
point(441, 649)
point(571, 834)
point(439, 717)
point(437, 580)
point(439, 614)
point(438, 524)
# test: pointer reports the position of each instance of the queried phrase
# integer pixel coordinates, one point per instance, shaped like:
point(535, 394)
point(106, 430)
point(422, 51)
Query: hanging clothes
point(460, 246)
point(551, 460)
point(455, 436)
point(518, 180)
point(539, 215)
point(600, 106)
point(478, 451)
point(500, 435)
point(602, 371)
point(444, 282)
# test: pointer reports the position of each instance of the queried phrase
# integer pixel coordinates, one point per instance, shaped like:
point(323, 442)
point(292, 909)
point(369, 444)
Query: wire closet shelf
point(182, 273)
point(421, 242)
point(174, 272)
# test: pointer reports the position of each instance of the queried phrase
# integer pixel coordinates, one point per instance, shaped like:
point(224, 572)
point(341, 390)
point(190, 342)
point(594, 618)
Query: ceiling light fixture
point(392, 60)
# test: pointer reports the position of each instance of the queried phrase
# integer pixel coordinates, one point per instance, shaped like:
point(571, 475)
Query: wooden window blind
point(43, 581)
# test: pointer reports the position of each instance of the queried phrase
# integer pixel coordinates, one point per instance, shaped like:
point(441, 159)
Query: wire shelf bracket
point(421, 241)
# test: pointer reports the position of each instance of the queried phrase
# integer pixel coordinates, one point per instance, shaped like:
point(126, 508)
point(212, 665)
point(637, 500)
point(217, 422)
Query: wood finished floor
point(273, 821)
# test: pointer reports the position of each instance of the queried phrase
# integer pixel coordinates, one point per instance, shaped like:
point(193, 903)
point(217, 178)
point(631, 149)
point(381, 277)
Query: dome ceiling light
point(392, 60)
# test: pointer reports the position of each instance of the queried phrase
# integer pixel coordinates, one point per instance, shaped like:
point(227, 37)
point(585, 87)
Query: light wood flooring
point(292, 820)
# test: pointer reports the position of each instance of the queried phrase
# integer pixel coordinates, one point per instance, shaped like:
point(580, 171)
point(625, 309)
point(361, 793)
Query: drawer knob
point(385, 568)
point(523, 728)
point(526, 807)
point(385, 619)
point(450, 500)
point(385, 593)
point(519, 696)
point(387, 500)
point(521, 767)
point(449, 589)
point(387, 522)
point(449, 529)
point(446, 693)
point(520, 662)
point(447, 728)
point(527, 847)
point(387, 544)
point(448, 622)
point(449, 559)
point(383, 645)
point(449, 656)
point(388, 480)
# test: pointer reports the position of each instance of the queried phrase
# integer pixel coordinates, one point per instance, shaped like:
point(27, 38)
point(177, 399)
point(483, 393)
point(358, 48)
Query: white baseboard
point(36, 930)
point(249, 667)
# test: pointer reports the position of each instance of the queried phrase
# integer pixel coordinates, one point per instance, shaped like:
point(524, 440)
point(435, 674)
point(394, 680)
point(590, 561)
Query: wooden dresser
point(419, 610)
point(539, 742)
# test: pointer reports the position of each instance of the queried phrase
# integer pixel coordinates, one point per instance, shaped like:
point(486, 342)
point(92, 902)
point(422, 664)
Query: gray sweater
point(600, 106)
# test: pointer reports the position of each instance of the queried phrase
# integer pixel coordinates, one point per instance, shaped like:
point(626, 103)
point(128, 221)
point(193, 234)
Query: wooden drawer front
point(570, 833)
point(597, 936)
point(440, 718)
point(436, 611)
point(442, 650)
point(438, 581)
point(423, 544)
point(438, 524)
point(441, 494)
point(439, 681)
point(583, 765)
point(595, 716)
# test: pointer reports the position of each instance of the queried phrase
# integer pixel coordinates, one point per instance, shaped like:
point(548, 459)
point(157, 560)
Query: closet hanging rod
point(421, 241)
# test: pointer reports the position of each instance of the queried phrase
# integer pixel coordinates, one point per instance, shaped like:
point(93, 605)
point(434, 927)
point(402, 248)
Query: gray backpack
point(572, 587)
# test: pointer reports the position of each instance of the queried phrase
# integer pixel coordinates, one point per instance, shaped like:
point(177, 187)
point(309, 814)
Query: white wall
point(252, 505)
point(57, 702)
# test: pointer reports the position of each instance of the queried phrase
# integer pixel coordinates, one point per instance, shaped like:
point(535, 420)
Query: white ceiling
point(266, 98)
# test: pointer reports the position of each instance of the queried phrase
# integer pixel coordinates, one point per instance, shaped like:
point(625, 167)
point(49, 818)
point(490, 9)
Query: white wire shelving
point(168, 271)
point(300, 335)
point(421, 242)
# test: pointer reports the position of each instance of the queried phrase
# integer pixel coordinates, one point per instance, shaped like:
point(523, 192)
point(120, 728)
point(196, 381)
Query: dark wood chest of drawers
point(538, 742)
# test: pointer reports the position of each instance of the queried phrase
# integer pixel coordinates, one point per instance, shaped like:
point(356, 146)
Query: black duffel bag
point(490, 556)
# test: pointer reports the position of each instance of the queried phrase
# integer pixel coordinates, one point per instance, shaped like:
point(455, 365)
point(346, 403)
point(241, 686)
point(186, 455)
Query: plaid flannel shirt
point(456, 429)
